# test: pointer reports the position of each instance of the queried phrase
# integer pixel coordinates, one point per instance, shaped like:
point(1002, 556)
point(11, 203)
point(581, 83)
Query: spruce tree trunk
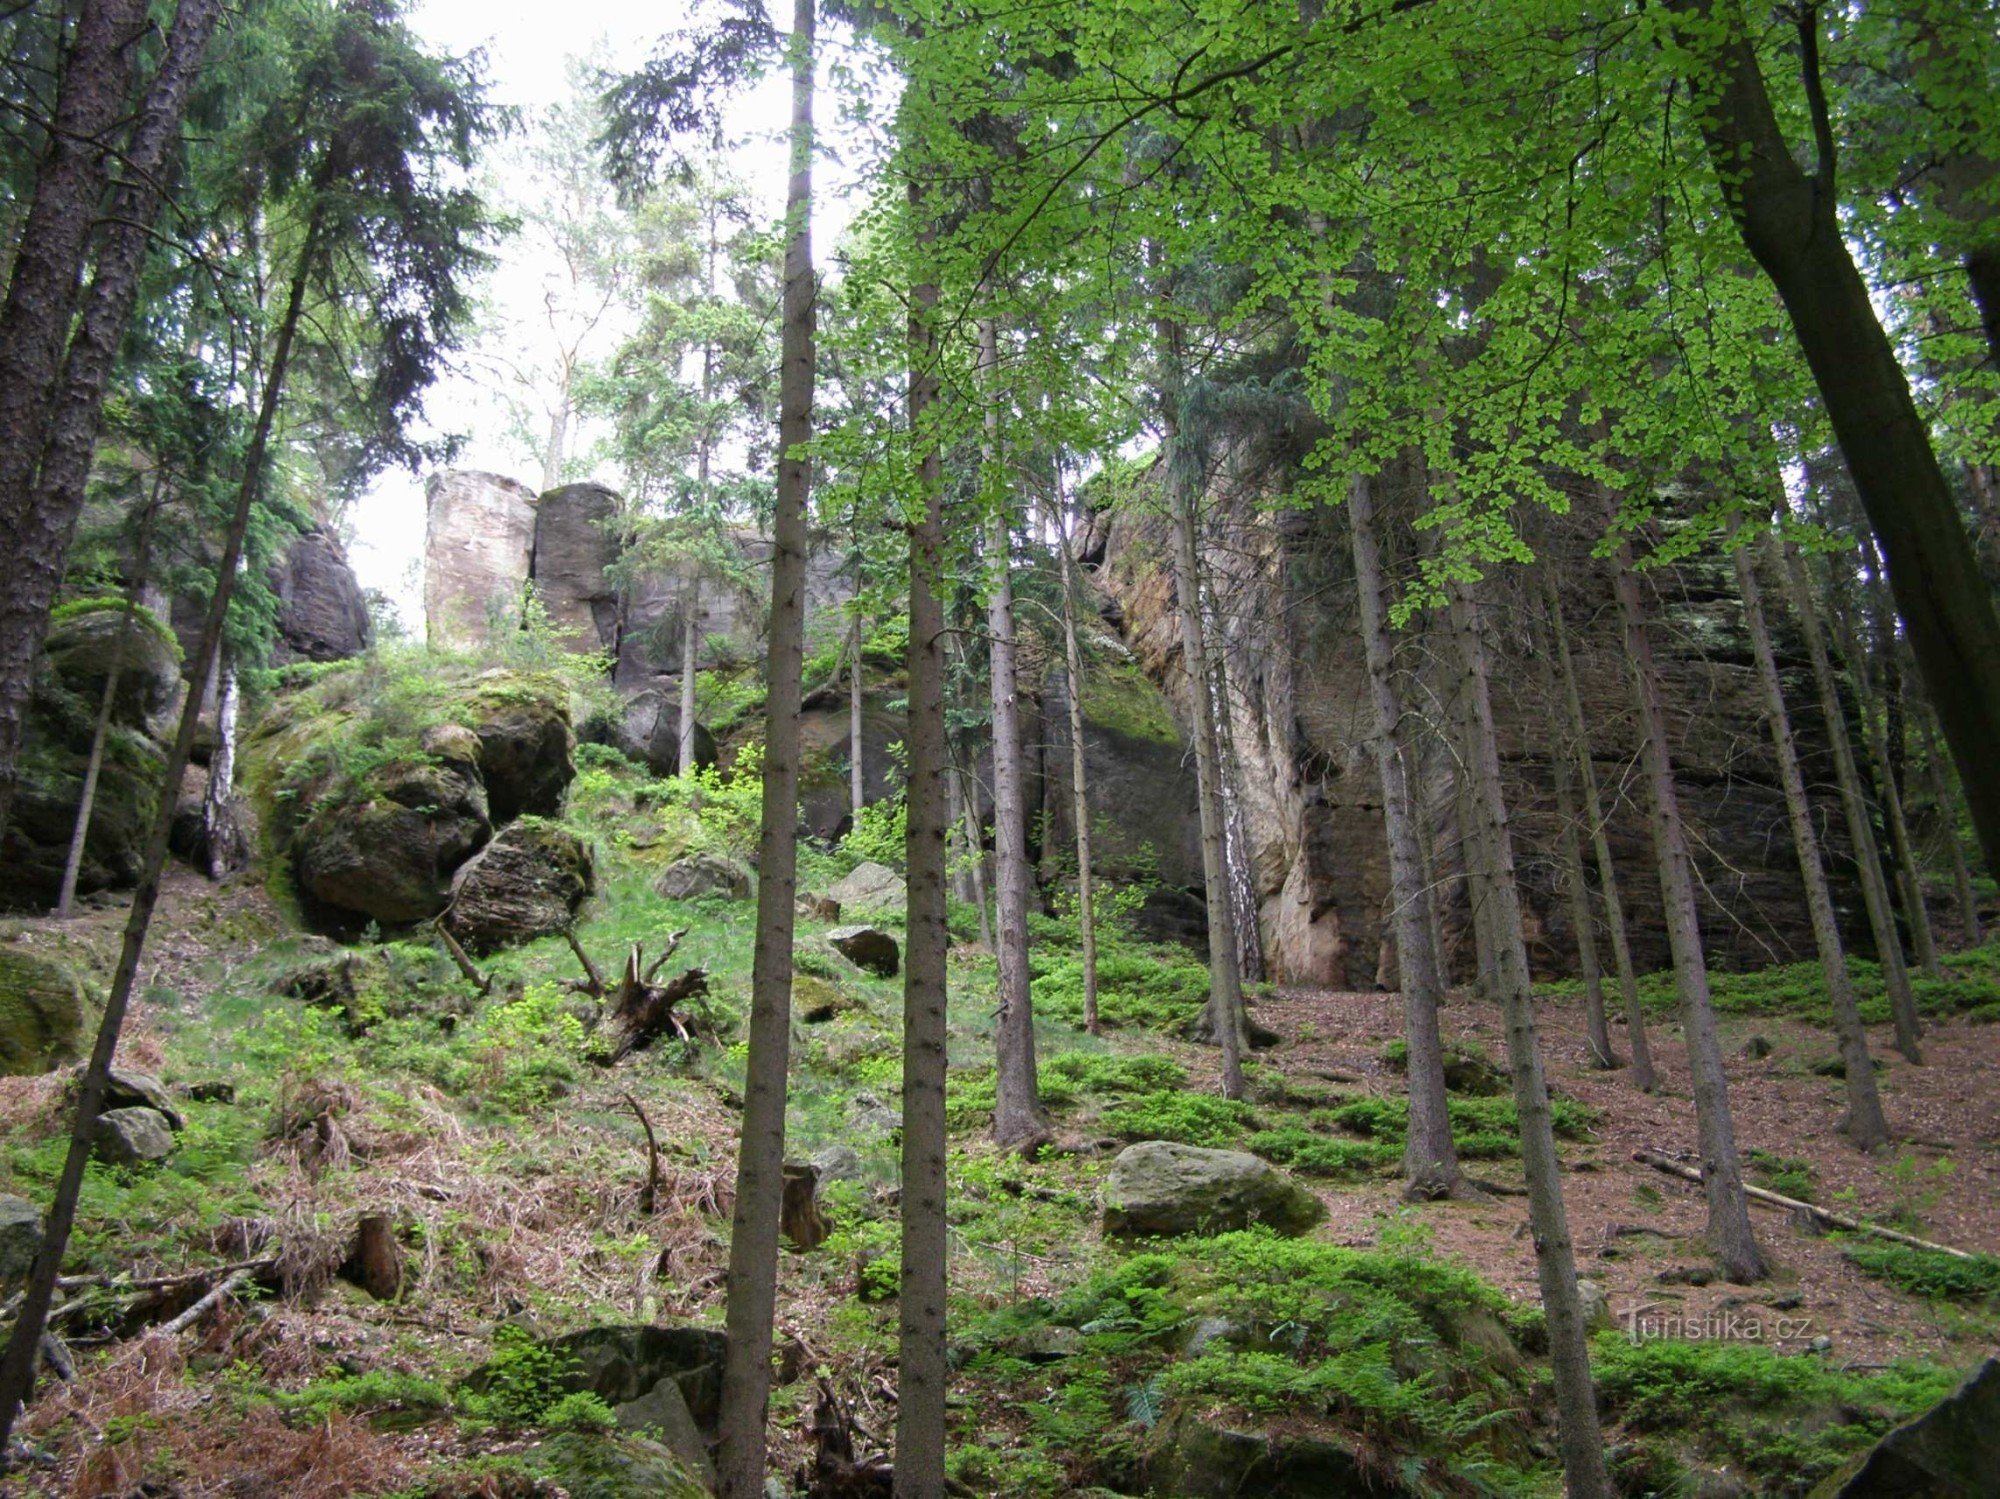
point(1018, 1118)
point(52, 423)
point(1947, 814)
point(1790, 220)
point(922, 1374)
point(1643, 1075)
point(1865, 1126)
point(1079, 788)
point(976, 847)
point(1854, 804)
point(220, 838)
point(1430, 1160)
point(690, 656)
point(1729, 1233)
point(1497, 906)
point(1576, 892)
point(753, 1242)
point(1225, 996)
point(857, 781)
point(17, 1365)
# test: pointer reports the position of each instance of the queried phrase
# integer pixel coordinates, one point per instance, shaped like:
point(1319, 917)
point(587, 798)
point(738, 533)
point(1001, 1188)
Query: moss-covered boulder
point(526, 883)
point(90, 637)
point(391, 981)
point(526, 746)
point(615, 1465)
point(1162, 1189)
point(1195, 1458)
point(384, 845)
point(1952, 1451)
point(47, 1008)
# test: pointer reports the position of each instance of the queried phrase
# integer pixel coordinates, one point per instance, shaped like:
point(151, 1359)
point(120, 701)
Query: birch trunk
point(1497, 906)
point(1729, 1232)
point(1079, 789)
point(1864, 1125)
point(922, 1374)
point(857, 782)
point(1854, 804)
point(753, 1242)
point(220, 839)
point(1430, 1159)
point(1643, 1075)
point(1018, 1119)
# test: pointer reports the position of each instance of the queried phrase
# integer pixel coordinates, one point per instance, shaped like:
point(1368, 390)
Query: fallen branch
point(121, 1282)
point(648, 1199)
point(483, 982)
point(673, 946)
point(593, 983)
point(1660, 1161)
point(207, 1303)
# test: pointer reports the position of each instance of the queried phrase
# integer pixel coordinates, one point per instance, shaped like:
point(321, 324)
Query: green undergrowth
point(1783, 1421)
point(1925, 1272)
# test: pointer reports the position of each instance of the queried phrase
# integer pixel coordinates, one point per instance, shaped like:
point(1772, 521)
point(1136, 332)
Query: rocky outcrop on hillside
point(479, 541)
point(322, 615)
point(574, 543)
point(1306, 801)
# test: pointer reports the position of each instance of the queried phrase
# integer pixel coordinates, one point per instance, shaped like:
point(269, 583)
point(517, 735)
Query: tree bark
point(1854, 805)
point(1497, 905)
point(17, 1365)
point(1079, 790)
point(1430, 1159)
point(220, 838)
point(1729, 1232)
point(1019, 1121)
point(1865, 1126)
point(1225, 997)
point(923, 1377)
point(690, 654)
point(1947, 815)
point(760, 1161)
point(1790, 221)
point(39, 506)
point(1643, 1075)
point(857, 781)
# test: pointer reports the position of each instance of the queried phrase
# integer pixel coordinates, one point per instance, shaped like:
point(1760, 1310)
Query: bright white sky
point(528, 46)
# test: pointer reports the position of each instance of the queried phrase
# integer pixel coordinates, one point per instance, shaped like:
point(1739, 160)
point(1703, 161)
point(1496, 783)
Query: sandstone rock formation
point(132, 1137)
point(322, 615)
point(479, 537)
point(83, 647)
point(1161, 1189)
point(526, 747)
point(526, 883)
point(574, 542)
point(47, 1008)
point(386, 848)
point(701, 876)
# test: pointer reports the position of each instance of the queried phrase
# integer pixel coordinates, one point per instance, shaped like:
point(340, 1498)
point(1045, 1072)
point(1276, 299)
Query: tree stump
point(799, 1217)
point(375, 1263)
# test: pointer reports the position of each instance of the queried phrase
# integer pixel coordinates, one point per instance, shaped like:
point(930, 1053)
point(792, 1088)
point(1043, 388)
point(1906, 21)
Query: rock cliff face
point(1307, 803)
point(479, 540)
point(573, 545)
point(321, 613)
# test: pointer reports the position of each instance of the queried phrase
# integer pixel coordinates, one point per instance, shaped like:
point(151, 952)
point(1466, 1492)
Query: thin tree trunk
point(1497, 905)
point(857, 781)
point(1643, 1075)
point(17, 1366)
point(1790, 220)
point(1018, 1118)
point(1576, 892)
point(1079, 791)
point(1947, 814)
point(1430, 1159)
point(1225, 998)
point(218, 814)
point(1854, 804)
point(1865, 1126)
point(976, 851)
point(690, 656)
point(922, 1374)
point(1729, 1232)
point(57, 426)
point(753, 1242)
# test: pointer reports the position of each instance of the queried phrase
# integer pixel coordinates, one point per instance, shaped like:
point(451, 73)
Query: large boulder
point(868, 948)
point(322, 614)
point(526, 747)
point(1161, 1189)
point(1952, 1451)
point(55, 756)
point(616, 1465)
point(46, 1010)
point(385, 849)
point(88, 639)
point(870, 887)
point(700, 876)
point(368, 985)
point(663, 745)
point(526, 883)
point(575, 541)
point(1192, 1458)
point(479, 537)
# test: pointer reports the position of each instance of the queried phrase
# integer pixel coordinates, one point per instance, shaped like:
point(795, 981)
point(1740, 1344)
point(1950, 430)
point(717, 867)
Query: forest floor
point(515, 1174)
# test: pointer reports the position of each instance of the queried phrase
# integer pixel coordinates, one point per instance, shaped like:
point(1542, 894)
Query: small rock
point(131, 1137)
point(1685, 1275)
point(838, 1163)
point(1210, 1330)
point(868, 948)
point(818, 907)
point(1757, 1048)
point(871, 1115)
point(20, 1240)
point(1821, 1344)
point(1791, 1301)
point(1596, 1305)
point(211, 1091)
point(870, 887)
point(703, 876)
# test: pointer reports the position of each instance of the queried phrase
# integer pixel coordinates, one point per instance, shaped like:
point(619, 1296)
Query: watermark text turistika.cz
point(1655, 1320)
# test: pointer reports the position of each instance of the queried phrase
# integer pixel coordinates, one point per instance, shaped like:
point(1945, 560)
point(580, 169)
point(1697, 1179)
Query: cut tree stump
point(376, 1262)
point(799, 1217)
